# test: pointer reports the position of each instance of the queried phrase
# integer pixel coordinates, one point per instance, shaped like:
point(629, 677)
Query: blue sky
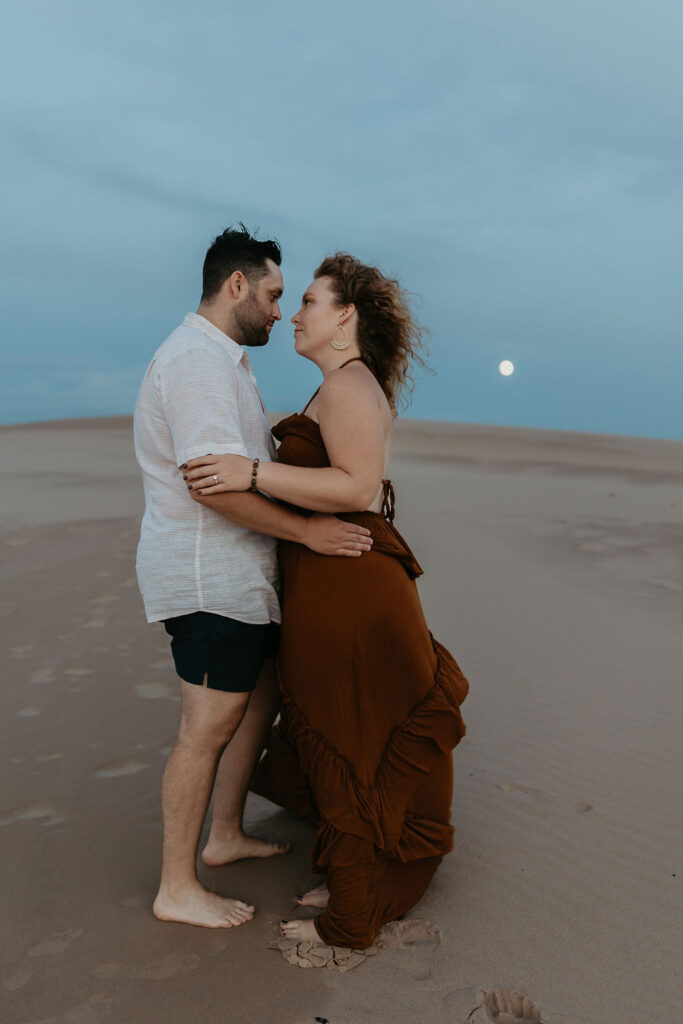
point(517, 163)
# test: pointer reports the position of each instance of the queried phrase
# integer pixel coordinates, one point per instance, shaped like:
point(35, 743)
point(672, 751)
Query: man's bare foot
point(238, 847)
point(206, 909)
point(317, 897)
point(305, 931)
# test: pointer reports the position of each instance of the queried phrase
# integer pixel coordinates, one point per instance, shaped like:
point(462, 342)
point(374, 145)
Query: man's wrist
point(301, 529)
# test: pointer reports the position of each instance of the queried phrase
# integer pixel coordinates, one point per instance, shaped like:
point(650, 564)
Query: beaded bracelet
point(254, 471)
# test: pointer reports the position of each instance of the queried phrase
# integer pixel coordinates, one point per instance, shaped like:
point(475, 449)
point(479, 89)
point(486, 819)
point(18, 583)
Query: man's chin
point(257, 339)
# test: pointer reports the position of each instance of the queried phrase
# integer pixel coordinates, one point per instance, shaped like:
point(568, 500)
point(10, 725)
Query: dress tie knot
point(388, 500)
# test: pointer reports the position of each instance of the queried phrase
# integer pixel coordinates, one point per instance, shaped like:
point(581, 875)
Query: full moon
point(506, 367)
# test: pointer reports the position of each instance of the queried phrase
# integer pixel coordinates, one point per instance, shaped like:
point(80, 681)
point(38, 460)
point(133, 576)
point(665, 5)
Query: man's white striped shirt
point(199, 397)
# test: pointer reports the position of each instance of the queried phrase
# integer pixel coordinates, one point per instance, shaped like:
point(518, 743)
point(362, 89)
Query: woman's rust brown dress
point(370, 714)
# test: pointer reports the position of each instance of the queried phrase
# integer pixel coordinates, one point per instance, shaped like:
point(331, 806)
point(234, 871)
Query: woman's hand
point(214, 474)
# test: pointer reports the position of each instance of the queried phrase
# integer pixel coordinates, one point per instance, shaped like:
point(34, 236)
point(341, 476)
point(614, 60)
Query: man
point(207, 568)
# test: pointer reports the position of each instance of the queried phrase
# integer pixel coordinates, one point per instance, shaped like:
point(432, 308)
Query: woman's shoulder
point(353, 394)
point(354, 382)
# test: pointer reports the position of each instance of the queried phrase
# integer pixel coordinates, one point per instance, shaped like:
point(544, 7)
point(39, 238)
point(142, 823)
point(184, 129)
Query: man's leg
point(227, 841)
point(208, 721)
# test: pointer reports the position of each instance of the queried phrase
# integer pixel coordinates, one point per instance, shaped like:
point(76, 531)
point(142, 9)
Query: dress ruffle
point(356, 823)
point(386, 539)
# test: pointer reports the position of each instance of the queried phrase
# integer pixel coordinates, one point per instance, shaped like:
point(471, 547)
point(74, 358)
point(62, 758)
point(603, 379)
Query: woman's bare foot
point(197, 906)
point(304, 931)
point(239, 847)
point(317, 897)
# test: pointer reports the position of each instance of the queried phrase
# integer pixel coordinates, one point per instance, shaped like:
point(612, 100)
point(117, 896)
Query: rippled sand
point(553, 569)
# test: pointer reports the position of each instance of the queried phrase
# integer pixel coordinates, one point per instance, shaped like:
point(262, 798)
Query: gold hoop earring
point(340, 345)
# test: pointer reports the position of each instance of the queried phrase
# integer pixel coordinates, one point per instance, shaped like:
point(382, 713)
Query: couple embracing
point(285, 587)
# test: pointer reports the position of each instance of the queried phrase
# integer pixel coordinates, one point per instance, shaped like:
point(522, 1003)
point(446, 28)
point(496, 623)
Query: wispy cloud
point(518, 165)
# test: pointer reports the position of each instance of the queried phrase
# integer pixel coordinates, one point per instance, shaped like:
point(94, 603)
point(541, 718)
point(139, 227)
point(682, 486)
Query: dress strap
point(309, 401)
point(352, 360)
point(388, 500)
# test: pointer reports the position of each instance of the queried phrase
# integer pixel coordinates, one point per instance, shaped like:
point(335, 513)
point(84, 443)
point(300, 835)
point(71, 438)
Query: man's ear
point(236, 285)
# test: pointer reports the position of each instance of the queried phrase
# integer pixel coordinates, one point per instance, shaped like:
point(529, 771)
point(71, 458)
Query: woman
point(370, 701)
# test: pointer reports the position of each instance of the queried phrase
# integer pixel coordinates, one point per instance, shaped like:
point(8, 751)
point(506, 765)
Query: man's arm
point(201, 407)
point(324, 534)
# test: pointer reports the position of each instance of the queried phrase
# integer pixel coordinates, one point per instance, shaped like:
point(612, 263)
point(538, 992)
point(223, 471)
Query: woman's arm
point(352, 429)
point(351, 425)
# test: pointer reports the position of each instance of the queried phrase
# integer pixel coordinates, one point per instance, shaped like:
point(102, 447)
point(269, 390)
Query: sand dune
point(552, 570)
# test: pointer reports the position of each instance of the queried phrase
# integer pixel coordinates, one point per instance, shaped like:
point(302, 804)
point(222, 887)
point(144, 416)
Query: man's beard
point(249, 319)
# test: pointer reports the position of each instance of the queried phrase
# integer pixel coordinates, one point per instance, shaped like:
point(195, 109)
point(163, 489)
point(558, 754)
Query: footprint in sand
point(77, 672)
point(56, 944)
point(492, 1006)
point(400, 934)
point(115, 769)
point(87, 1012)
point(17, 979)
point(108, 971)
point(30, 711)
point(43, 675)
point(140, 900)
point(21, 652)
point(162, 663)
point(504, 1004)
point(153, 690)
point(167, 966)
point(46, 815)
point(94, 624)
point(52, 756)
point(539, 796)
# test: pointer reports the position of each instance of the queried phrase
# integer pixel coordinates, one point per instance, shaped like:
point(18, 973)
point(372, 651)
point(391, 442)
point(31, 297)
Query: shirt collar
point(235, 351)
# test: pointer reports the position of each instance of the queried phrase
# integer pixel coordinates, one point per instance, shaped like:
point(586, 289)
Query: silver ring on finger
point(215, 479)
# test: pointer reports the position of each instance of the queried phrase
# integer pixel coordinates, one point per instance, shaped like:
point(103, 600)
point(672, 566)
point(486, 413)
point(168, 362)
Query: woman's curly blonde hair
point(389, 336)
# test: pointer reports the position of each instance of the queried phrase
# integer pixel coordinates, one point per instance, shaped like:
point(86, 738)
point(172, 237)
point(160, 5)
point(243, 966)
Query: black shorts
point(226, 653)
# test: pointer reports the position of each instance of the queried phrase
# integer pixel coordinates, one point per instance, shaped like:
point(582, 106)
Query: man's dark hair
point(236, 249)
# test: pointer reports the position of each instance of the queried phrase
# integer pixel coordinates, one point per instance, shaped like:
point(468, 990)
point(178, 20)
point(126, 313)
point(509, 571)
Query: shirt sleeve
point(199, 395)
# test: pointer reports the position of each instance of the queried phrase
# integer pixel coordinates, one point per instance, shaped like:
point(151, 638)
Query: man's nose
point(278, 314)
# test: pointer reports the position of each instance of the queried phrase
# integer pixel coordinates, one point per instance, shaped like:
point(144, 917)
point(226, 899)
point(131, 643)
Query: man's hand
point(331, 536)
